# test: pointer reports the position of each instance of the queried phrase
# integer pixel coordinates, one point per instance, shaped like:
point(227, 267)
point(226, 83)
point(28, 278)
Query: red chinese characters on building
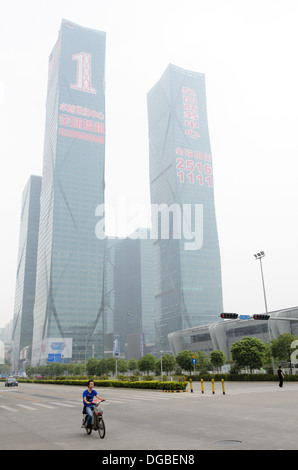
point(193, 166)
point(79, 123)
point(190, 110)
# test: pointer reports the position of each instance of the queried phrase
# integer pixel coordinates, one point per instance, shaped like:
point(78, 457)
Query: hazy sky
point(248, 53)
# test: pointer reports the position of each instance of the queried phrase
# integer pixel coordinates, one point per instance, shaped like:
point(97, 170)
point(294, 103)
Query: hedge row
point(158, 385)
point(154, 384)
point(242, 377)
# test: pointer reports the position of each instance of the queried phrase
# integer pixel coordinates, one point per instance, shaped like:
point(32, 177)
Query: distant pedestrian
point(280, 376)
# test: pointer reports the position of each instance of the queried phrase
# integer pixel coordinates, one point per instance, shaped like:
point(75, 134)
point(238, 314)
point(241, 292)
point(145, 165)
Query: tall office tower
point(26, 274)
point(68, 312)
point(147, 293)
point(187, 270)
point(129, 303)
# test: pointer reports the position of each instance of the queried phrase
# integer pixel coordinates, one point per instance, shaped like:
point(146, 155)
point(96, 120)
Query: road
point(249, 416)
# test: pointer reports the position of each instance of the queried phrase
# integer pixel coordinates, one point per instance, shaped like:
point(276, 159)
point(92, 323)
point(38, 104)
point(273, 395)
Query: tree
point(217, 359)
point(168, 364)
point(91, 366)
point(122, 366)
point(132, 365)
point(69, 368)
point(146, 363)
point(281, 347)
point(79, 369)
point(102, 367)
point(30, 370)
point(184, 360)
point(249, 352)
point(111, 364)
point(204, 363)
point(268, 359)
point(54, 369)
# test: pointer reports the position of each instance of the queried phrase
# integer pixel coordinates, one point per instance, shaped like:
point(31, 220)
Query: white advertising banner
point(61, 346)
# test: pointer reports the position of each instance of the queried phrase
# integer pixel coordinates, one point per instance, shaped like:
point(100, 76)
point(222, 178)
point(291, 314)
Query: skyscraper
point(26, 271)
point(186, 260)
point(129, 303)
point(68, 312)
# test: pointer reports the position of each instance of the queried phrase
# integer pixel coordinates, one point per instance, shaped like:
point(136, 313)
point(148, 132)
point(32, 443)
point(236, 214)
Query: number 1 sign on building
point(83, 73)
point(77, 127)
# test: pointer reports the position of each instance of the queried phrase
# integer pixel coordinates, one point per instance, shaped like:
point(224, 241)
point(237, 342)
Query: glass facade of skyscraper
point(186, 260)
point(26, 271)
point(129, 304)
point(69, 304)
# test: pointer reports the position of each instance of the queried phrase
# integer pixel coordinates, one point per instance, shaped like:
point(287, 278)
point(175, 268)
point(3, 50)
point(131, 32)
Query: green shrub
point(131, 378)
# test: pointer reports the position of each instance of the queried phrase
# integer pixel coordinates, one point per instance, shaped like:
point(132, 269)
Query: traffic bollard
point(202, 385)
point(213, 386)
point(190, 381)
point(223, 386)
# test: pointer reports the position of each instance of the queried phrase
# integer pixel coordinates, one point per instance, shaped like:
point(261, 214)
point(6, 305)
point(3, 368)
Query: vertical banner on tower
point(192, 146)
point(81, 111)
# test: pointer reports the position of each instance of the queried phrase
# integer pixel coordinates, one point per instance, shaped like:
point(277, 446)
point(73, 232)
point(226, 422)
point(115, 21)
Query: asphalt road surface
point(249, 416)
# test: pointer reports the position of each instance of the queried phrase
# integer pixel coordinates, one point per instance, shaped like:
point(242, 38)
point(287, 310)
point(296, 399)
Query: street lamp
point(161, 365)
point(259, 256)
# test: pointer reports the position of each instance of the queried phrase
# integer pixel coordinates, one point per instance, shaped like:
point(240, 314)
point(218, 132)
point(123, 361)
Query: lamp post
point(259, 256)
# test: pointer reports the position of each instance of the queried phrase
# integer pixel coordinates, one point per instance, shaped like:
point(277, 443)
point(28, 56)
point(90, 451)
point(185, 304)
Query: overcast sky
point(248, 53)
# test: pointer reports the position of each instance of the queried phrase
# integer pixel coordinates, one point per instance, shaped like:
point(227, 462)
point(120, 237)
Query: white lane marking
point(7, 408)
point(61, 404)
point(74, 402)
point(27, 407)
point(45, 406)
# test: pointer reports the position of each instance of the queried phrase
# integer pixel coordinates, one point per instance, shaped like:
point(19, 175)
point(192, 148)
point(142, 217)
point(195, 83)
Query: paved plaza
point(249, 416)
